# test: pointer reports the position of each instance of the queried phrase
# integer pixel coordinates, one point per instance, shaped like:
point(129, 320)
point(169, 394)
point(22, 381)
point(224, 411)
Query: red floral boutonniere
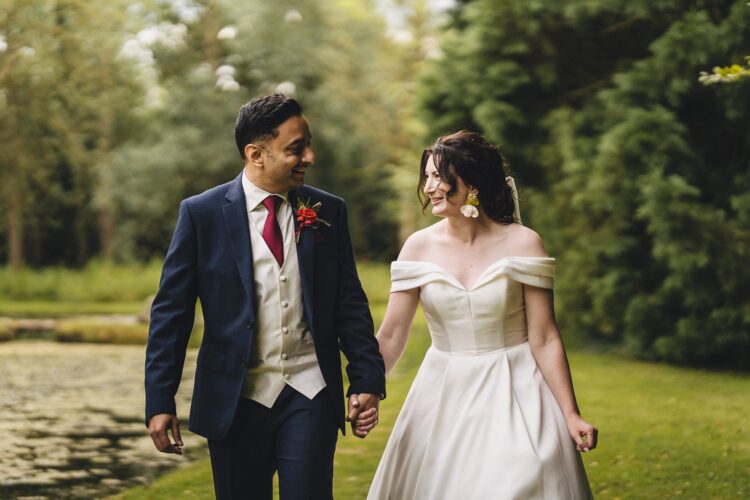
point(307, 216)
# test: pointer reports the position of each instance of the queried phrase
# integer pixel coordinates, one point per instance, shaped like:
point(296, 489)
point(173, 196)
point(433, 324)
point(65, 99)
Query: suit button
point(249, 325)
point(284, 329)
point(243, 362)
point(284, 356)
point(287, 376)
point(285, 304)
point(283, 278)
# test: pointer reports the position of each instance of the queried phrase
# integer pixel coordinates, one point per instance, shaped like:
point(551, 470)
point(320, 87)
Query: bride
point(491, 413)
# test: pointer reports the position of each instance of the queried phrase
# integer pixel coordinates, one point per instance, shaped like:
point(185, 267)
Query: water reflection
point(71, 417)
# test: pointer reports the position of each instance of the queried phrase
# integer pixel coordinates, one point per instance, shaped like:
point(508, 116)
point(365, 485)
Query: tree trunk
point(106, 217)
point(15, 230)
point(13, 182)
point(106, 232)
point(82, 242)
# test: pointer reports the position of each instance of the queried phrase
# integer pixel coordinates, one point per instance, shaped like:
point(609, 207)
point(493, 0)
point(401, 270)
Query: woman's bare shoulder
point(415, 245)
point(526, 242)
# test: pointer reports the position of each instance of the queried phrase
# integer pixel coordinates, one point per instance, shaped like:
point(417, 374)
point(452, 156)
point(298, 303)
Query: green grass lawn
point(97, 282)
point(664, 432)
point(98, 288)
point(59, 309)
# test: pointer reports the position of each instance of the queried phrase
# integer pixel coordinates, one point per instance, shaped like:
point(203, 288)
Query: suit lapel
point(306, 260)
point(236, 219)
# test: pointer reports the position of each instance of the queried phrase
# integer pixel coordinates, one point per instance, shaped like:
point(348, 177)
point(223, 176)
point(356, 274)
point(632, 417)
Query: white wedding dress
point(479, 421)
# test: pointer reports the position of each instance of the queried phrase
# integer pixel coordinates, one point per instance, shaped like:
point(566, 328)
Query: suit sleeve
point(172, 316)
point(365, 367)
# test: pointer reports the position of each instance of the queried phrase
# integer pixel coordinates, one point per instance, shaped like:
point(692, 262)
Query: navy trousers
point(296, 438)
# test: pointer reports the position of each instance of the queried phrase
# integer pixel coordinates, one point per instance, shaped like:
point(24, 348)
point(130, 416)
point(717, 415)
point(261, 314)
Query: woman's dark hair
point(479, 164)
point(259, 119)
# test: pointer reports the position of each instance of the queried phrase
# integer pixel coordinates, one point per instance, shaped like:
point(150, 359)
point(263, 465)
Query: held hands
point(363, 413)
point(583, 433)
point(157, 429)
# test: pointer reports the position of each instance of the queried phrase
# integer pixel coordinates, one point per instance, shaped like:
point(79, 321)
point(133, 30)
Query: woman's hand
point(583, 433)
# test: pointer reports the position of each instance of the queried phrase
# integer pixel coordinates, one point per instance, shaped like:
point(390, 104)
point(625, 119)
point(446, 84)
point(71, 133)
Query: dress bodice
point(489, 315)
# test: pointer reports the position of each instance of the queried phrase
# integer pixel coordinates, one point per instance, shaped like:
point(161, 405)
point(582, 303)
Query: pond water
point(71, 420)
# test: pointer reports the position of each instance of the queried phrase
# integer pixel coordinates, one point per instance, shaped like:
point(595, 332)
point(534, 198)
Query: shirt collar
point(254, 195)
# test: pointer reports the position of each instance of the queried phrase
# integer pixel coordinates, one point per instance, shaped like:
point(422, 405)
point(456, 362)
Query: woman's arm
point(394, 331)
point(549, 352)
point(399, 314)
point(392, 336)
point(547, 346)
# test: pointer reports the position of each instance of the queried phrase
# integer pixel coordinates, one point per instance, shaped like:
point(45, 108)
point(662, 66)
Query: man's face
point(285, 158)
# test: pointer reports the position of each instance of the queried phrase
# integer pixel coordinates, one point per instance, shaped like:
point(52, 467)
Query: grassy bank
point(76, 299)
point(80, 301)
point(102, 286)
point(55, 309)
point(98, 288)
point(97, 282)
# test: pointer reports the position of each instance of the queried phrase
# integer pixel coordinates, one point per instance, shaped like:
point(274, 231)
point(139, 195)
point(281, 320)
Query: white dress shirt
point(283, 350)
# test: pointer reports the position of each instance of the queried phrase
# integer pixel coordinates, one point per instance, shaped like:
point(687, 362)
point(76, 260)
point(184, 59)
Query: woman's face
point(436, 190)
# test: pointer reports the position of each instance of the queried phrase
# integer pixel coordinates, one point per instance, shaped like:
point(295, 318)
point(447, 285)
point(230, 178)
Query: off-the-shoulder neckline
point(481, 275)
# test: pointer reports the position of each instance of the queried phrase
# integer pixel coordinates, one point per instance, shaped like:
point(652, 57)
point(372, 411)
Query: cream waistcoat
point(283, 350)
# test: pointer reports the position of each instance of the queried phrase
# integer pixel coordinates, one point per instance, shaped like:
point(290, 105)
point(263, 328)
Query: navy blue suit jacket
point(210, 259)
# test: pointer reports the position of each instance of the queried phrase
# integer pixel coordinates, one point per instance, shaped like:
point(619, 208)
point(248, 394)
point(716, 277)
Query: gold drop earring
point(469, 208)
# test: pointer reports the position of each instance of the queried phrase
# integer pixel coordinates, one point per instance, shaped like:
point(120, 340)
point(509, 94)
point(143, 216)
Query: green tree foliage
point(111, 114)
point(63, 101)
point(636, 174)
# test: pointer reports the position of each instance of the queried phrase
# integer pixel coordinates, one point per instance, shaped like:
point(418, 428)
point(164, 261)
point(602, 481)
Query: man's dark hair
point(258, 120)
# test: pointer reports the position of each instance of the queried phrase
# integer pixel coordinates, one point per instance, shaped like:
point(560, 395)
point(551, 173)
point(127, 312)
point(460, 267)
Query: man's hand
point(157, 429)
point(363, 413)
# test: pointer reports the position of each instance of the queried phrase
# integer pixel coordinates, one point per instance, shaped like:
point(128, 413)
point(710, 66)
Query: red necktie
point(272, 231)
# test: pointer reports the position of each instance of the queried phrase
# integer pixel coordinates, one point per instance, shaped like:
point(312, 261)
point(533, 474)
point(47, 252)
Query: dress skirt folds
point(479, 421)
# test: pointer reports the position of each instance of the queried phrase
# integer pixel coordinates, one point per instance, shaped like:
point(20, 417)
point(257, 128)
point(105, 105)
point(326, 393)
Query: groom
point(272, 264)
